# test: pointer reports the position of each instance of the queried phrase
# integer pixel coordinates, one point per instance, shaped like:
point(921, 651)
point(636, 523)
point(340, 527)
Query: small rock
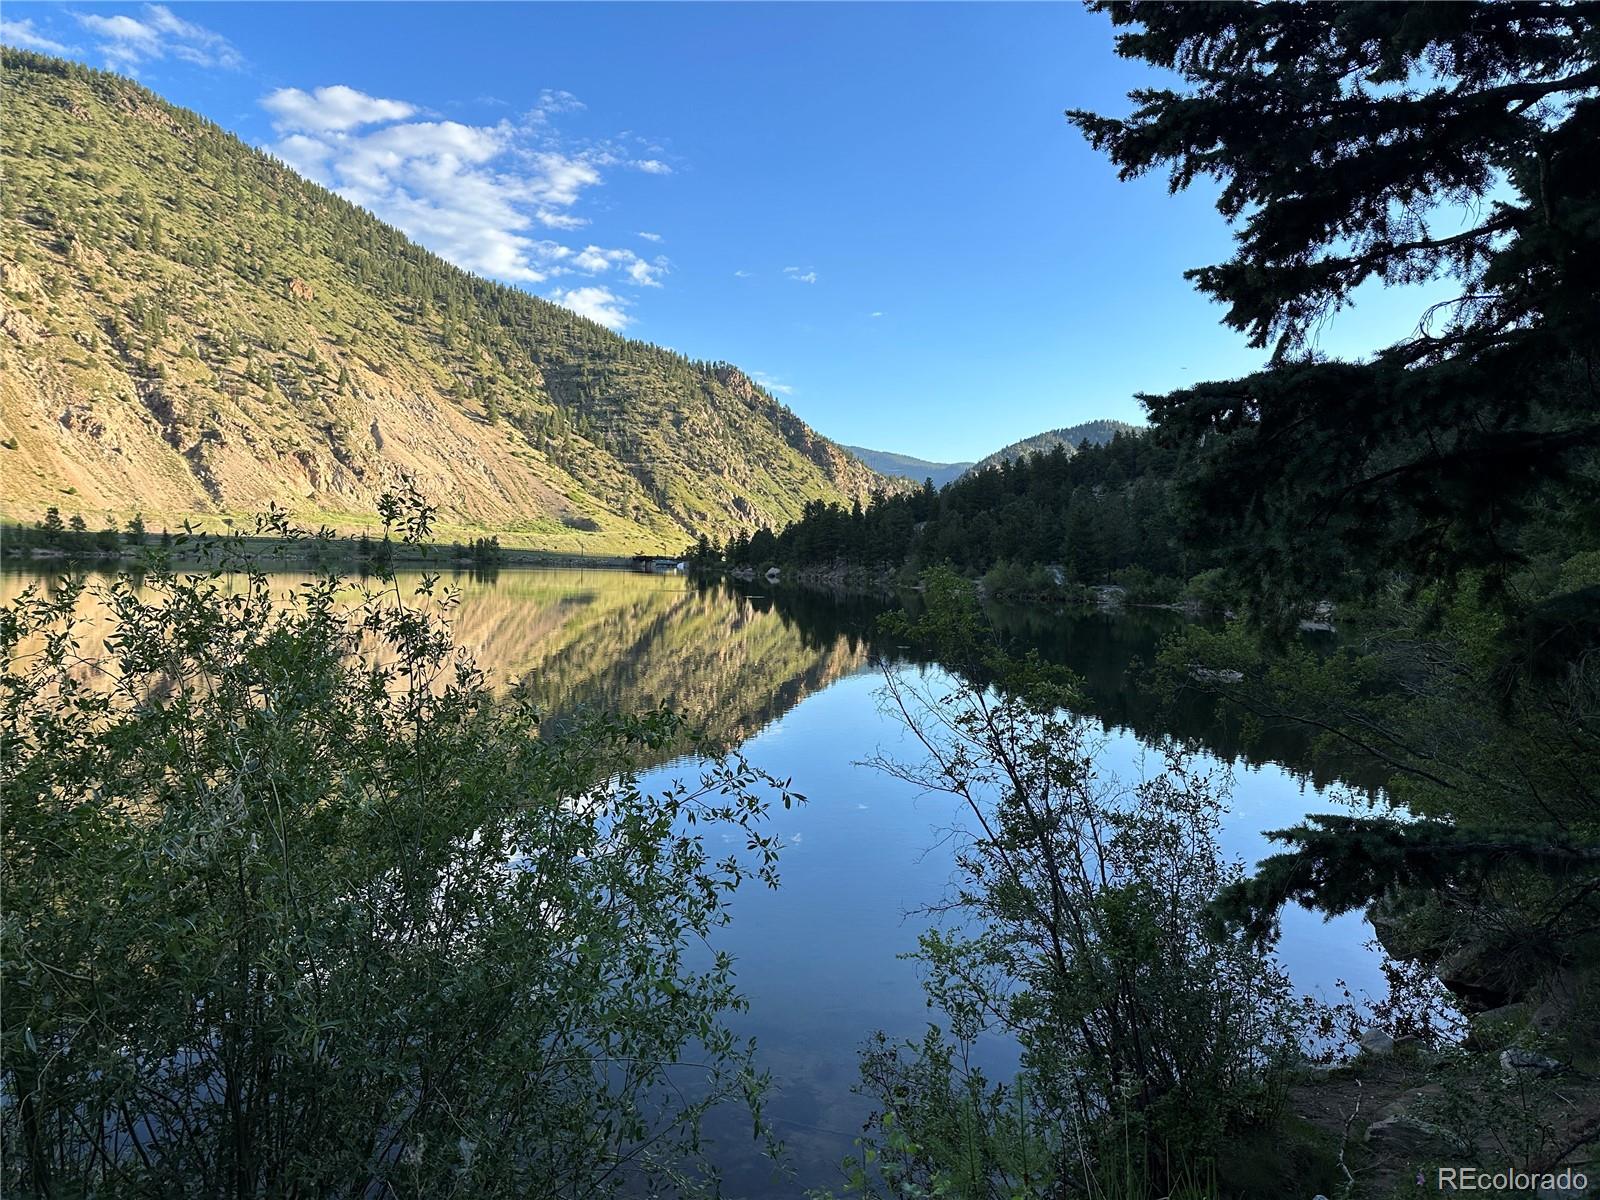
point(1514, 1060)
point(1377, 1042)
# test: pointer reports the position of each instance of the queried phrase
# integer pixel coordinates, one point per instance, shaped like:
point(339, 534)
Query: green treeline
point(1104, 514)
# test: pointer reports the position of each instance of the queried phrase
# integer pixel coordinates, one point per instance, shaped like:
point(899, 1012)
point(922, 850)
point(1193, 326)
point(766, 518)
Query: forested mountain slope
point(1087, 514)
point(188, 328)
point(886, 462)
point(1096, 433)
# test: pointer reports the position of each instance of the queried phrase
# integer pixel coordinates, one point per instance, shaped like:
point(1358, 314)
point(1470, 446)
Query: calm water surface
point(792, 679)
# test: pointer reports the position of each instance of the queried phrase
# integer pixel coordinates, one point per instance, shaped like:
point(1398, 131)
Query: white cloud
point(559, 179)
point(649, 237)
point(647, 274)
point(479, 195)
point(652, 166)
point(741, 274)
point(594, 260)
point(157, 33)
point(799, 276)
point(555, 220)
point(327, 109)
point(777, 387)
point(25, 34)
point(876, 314)
point(597, 303)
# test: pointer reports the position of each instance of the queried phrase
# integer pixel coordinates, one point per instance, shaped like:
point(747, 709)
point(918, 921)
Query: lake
point(791, 678)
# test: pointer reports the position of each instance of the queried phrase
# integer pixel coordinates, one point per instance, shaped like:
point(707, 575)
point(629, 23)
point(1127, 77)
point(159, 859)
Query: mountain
point(1096, 433)
point(190, 330)
point(903, 466)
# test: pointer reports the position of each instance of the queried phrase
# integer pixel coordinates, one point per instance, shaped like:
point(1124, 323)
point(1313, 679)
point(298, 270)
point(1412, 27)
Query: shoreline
point(268, 552)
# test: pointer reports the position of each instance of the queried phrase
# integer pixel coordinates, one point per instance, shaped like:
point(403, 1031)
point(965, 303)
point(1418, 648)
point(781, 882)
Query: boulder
point(1405, 1136)
point(1515, 1061)
point(1480, 979)
point(1558, 1001)
point(1377, 1042)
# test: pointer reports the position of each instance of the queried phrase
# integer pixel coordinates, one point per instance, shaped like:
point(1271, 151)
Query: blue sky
point(878, 210)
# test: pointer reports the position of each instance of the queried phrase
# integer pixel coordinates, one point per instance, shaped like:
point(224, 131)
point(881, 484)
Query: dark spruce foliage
point(1393, 143)
point(1093, 512)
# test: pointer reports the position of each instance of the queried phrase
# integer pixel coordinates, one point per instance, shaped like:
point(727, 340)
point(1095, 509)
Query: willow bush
point(295, 906)
point(1152, 1040)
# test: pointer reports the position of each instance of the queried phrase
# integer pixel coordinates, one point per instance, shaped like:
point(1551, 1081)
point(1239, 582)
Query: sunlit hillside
point(188, 328)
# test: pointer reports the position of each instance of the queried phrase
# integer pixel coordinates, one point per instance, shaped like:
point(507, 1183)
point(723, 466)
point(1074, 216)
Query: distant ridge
point(1096, 433)
point(904, 466)
point(188, 329)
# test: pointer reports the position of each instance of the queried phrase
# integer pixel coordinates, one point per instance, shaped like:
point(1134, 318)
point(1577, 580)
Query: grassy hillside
point(189, 329)
point(1096, 433)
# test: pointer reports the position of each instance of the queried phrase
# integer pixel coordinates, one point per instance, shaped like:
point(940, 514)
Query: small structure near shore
point(652, 564)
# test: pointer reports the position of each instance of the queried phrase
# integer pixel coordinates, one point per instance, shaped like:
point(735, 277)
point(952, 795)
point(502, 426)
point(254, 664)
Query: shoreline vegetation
point(53, 540)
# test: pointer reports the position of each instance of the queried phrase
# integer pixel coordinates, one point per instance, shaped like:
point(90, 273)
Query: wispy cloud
point(553, 102)
point(652, 166)
point(741, 274)
point(26, 34)
point(477, 194)
point(875, 315)
point(649, 237)
point(157, 33)
point(597, 303)
point(775, 386)
point(801, 276)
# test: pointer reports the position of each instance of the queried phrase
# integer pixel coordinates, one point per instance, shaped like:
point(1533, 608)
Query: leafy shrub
point(1011, 580)
point(1150, 1036)
point(296, 906)
point(1143, 587)
point(1211, 590)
